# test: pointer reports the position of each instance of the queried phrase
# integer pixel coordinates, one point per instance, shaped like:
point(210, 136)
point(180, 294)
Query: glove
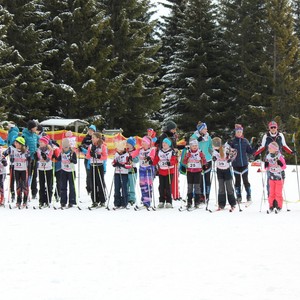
point(117, 164)
point(279, 162)
point(294, 152)
point(168, 164)
point(183, 169)
point(214, 158)
point(149, 160)
point(205, 167)
point(4, 162)
point(188, 154)
point(44, 156)
point(200, 138)
point(130, 159)
point(80, 148)
point(266, 164)
point(229, 160)
point(97, 155)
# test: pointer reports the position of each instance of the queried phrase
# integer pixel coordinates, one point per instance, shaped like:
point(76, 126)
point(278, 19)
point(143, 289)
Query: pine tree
point(194, 75)
point(81, 64)
point(8, 64)
point(296, 12)
point(284, 54)
point(30, 44)
point(245, 37)
point(170, 30)
point(135, 96)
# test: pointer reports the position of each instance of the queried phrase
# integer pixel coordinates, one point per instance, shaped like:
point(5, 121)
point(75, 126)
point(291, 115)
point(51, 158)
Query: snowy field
point(58, 255)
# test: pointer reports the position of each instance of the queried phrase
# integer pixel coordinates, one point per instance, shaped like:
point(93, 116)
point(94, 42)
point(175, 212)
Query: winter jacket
point(12, 135)
point(205, 145)
point(276, 170)
point(243, 148)
point(268, 138)
point(31, 140)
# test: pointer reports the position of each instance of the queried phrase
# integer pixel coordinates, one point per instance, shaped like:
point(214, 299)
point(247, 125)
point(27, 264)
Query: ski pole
point(152, 189)
point(111, 187)
point(296, 162)
point(263, 186)
point(46, 185)
point(103, 186)
point(74, 184)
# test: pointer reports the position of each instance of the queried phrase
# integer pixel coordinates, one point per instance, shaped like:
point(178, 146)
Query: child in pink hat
point(275, 164)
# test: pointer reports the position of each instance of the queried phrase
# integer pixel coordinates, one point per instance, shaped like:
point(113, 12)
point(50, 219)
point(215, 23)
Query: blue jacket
point(243, 148)
point(31, 141)
point(12, 135)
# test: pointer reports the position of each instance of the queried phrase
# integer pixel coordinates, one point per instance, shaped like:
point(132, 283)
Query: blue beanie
point(167, 141)
point(201, 126)
point(93, 127)
point(131, 140)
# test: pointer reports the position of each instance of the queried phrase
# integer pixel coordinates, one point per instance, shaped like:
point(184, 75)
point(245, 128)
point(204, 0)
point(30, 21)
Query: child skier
point(3, 164)
point(68, 158)
point(166, 160)
point(97, 154)
point(275, 164)
point(223, 156)
point(146, 157)
point(205, 145)
point(21, 162)
point(132, 173)
point(195, 161)
point(122, 163)
point(44, 160)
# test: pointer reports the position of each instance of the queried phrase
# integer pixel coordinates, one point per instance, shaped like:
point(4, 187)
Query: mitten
point(279, 162)
point(214, 158)
point(44, 156)
point(266, 164)
point(149, 160)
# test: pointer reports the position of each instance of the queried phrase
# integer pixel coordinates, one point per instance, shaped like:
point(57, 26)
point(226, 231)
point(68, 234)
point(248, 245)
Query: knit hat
point(93, 127)
point(65, 143)
point(193, 142)
point(238, 127)
point(273, 124)
point(274, 146)
point(31, 124)
point(2, 142)
point(169, 126)
point(44, 139)
point(200, 126)
point(167, 141)
point(131, 140)
point(20, 140)
point(147, 140)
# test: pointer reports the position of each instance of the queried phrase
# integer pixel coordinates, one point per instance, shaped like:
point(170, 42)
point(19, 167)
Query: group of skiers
point(32, 153)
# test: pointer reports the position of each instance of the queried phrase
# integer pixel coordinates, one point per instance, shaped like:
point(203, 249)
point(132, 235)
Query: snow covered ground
point(58, 255)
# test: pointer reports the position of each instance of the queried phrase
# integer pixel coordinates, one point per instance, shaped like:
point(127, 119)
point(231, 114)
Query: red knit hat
point(44, 139)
